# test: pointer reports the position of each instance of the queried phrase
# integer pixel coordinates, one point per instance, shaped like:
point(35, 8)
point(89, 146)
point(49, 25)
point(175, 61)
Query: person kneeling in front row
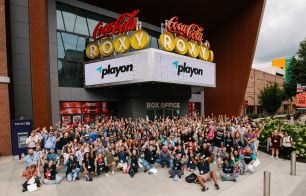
point(73, 168)
point(177, 168)
point(227, 172)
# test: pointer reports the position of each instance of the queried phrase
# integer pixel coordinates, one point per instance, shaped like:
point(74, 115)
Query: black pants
point(25, 184)
point(101, 168)
point(287, 151)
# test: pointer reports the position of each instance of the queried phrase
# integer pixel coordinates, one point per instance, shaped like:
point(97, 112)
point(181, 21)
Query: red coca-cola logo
point(193, 31)
point(124, 23)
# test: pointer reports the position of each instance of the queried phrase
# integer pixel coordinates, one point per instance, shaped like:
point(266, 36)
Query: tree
point(296, 71)
point(270, 98)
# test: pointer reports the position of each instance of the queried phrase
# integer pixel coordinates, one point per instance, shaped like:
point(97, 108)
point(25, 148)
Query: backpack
point(191, 178)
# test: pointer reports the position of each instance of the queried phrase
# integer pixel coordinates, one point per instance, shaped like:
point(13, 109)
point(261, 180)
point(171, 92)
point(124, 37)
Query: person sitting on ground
point(32, 158)
point(227, 172)
point(29, 173)
point(177, 168)
point(72, 168)
point(248, 160)
point(50, 174)
point(164, 156)
point(88, 166)
point(101, 166)
point(110, 160)
point(52, 156)
point(122, 162)
point(133, 163)
point(205, 174)
point(149, 156)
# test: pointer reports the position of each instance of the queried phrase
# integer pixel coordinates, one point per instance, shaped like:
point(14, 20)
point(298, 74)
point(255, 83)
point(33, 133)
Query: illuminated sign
point(124, 23)
point(162, 105)
point(189, 40)
point(150, 65)
point(106, 44)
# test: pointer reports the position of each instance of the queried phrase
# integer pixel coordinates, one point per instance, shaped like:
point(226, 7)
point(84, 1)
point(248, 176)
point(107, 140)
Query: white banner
point(150, 65)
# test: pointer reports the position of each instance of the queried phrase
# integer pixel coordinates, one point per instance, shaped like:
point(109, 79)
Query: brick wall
point(5, 132)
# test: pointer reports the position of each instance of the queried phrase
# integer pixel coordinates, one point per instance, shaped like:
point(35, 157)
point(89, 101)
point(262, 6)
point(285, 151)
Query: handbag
point(32, 187)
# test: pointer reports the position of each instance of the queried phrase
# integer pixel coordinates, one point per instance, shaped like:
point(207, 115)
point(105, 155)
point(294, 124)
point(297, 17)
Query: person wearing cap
point(164, 156)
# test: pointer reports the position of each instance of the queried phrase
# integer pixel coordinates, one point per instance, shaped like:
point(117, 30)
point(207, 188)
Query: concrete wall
point(20, 53)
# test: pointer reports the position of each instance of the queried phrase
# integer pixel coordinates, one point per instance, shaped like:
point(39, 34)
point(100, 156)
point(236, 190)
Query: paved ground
point(282, 184)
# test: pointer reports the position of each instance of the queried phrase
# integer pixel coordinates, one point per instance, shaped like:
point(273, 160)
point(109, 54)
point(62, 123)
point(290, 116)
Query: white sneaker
point(113, 172)
point(272, 156)
point(106, 175)
point(276, 157)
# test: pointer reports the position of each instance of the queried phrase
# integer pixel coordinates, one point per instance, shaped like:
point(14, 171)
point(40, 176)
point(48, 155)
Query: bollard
point(267, 183)
point(293, 164)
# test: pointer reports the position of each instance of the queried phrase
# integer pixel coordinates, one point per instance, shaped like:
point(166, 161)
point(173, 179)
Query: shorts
point(207, 176)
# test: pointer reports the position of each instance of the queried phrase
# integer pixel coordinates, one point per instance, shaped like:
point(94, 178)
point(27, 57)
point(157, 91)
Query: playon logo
point(114, 70)
point(186, 69)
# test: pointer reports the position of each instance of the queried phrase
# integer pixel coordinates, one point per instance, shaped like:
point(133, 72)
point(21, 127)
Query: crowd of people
point(128, 145)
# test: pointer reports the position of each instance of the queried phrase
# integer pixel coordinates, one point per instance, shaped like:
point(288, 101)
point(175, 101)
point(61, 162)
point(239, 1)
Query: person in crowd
point(49, 139)
point(110, 160)
point(123, 159)
point(30, 173)
point(50, 173)
point(237, 160)
point(276, 143)
point(248, 160)
point(287, 145)
point(227, 172)
point(250, 138)
point(32, 141)
point(100, 164)
point(205, 174)
point(52, 156)
point(149, 156)
point(163, 156)
point(177, 168)
point(80, 155)
point(32, 158)
point(72, 168)
point(191, 166)
point(88, 166)
point(133, 169)
point(218, 142)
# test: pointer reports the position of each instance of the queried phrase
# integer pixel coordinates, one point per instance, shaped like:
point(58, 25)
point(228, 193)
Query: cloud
point(283, 27)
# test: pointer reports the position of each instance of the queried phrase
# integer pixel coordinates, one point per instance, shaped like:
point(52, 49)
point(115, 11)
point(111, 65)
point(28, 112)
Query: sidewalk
point(282, 184)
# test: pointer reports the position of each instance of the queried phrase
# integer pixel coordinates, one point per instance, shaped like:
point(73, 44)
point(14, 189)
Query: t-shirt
point(218, 140)
point(227, 169)
point(177, 165)
point(49, 171)
point(203, 167)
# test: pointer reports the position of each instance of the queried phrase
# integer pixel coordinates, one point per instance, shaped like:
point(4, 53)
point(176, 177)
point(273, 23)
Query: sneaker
point(150, 173)
point(204, 189)
point(106, 175)
point(163, 165)
point(24, 190)
point(234, 180)
point(77, 178)
point(217, 186)
point(277, 157)
point(272, 156)
point(145, 170)
point(113, 172)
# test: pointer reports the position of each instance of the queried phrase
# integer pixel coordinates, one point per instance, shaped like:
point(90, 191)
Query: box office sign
point(163, 105)
point(150, 65)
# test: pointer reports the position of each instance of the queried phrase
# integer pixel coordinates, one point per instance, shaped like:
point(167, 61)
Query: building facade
point(257, 81)
point(43, 43)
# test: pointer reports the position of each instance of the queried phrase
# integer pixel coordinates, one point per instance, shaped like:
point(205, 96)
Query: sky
point(283, 28)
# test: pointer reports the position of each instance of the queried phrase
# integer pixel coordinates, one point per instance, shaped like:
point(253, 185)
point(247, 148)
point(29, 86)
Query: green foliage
point(297, 71)
point(270, 98)
point(297, 132)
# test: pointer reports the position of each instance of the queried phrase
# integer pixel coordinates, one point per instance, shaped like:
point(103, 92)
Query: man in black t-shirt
point(50, 174)
point(177, 168)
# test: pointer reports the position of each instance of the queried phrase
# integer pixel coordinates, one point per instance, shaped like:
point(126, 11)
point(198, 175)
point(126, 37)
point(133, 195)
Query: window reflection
point(74, 29)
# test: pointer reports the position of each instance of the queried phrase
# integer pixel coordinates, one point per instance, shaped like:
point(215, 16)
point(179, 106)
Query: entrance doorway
point(162, 113)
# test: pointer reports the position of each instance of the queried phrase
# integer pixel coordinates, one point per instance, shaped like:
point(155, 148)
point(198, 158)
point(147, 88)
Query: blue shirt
point(93, 136)
point(31, 159)
point(50, 141)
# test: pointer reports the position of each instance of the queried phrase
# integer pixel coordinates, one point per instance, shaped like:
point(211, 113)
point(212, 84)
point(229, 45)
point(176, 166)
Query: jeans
point(162, 161)
point(228, 176)
point(73, 175)
point(57, 180)
point(147, 165)
point(174, 172)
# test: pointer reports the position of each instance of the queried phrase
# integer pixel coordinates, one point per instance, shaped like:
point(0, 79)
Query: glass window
point(59, 20)
point(81, 26)
point(60, 46)
point(69, 21)
point(91, 25)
